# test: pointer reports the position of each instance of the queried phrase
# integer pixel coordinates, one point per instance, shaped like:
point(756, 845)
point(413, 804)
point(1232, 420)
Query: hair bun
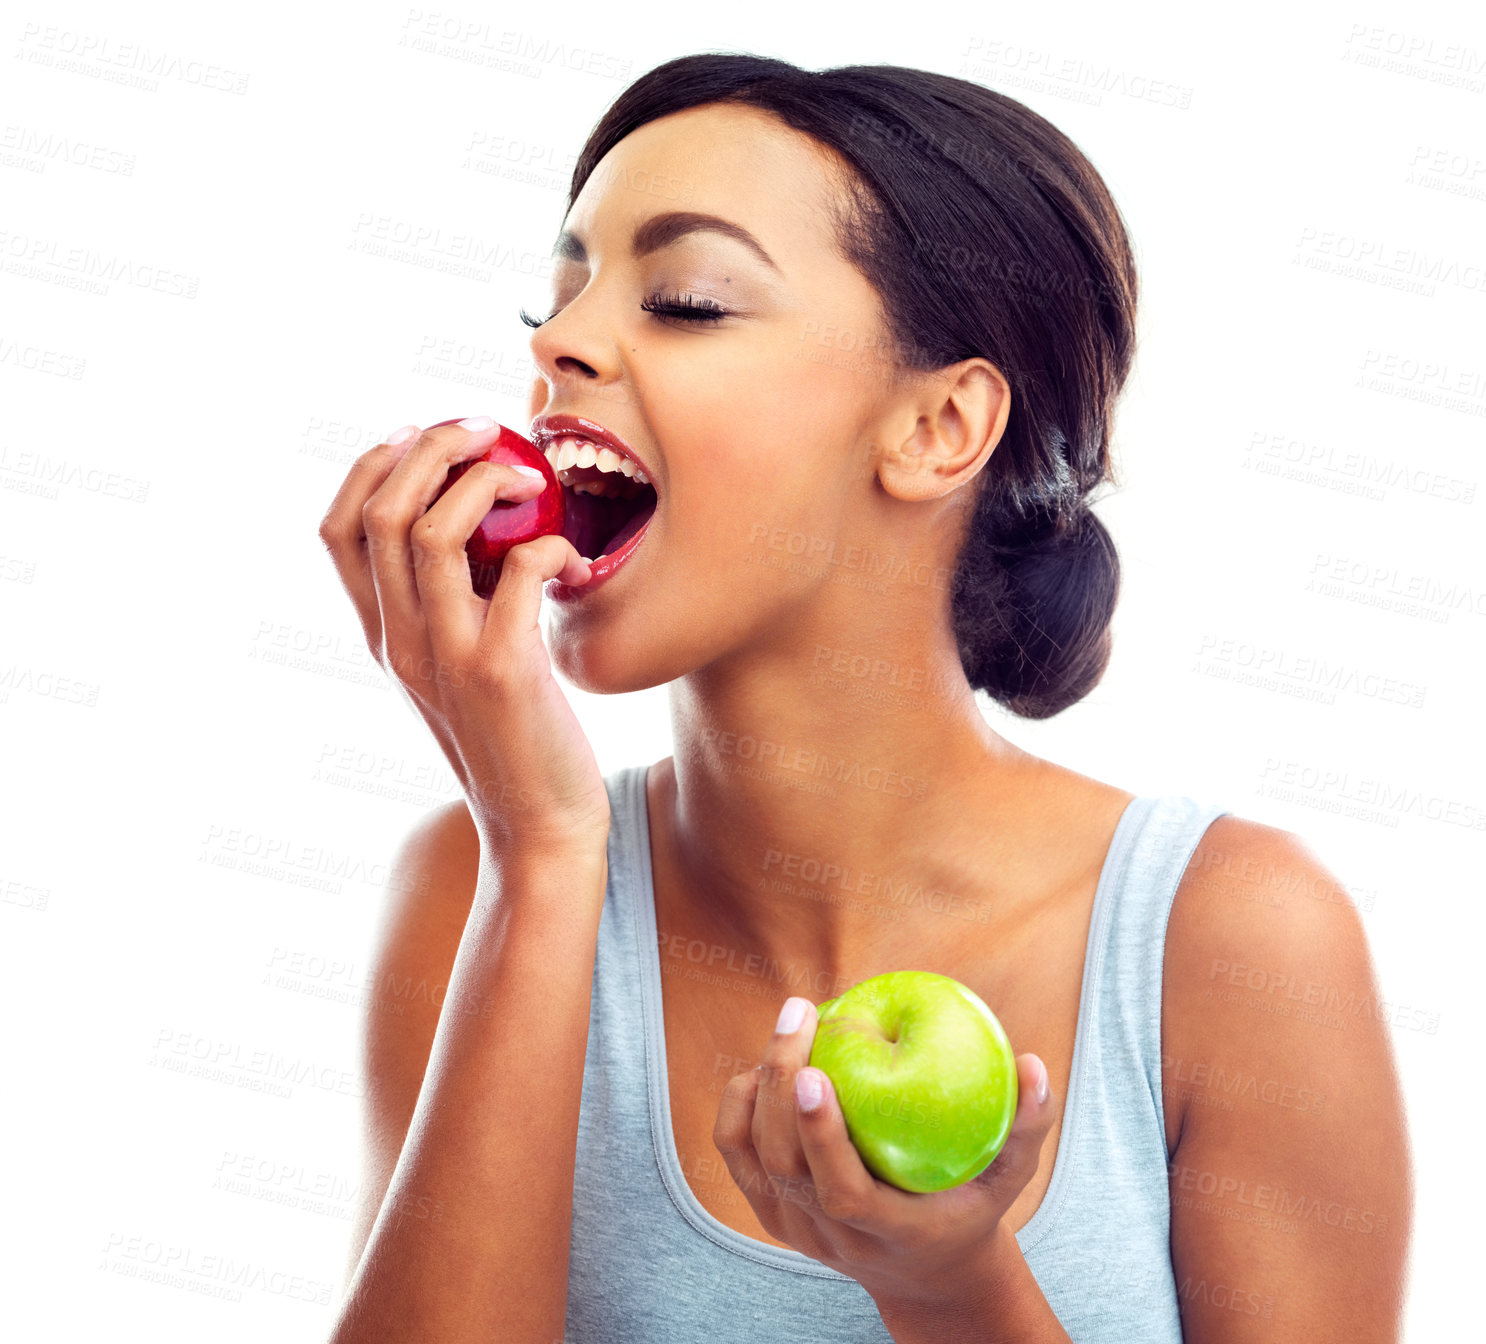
point(1046, 601)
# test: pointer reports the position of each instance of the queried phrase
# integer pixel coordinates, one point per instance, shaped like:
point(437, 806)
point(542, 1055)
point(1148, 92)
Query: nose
point(574, 350)
point(552, 374)
point(557, 360)
point(575, 344)
point(571, 364)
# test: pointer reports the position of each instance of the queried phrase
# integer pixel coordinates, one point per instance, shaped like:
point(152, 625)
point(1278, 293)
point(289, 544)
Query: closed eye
point(668, 307)
point(675, 306)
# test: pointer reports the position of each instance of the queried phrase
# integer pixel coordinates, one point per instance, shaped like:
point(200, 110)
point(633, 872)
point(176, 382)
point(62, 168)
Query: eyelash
point(663, 306)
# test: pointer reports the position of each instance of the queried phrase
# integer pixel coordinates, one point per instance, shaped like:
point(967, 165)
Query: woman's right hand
point(477, 671)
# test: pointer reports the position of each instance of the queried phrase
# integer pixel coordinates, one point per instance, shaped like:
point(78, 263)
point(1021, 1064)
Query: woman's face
point(761, 429)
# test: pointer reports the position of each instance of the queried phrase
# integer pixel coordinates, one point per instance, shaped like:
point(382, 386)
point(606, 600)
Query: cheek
point(768, 541)
point(726, 513)
point(757, 451)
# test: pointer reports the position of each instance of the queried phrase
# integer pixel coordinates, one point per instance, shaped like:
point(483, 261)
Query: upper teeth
point(572, 451)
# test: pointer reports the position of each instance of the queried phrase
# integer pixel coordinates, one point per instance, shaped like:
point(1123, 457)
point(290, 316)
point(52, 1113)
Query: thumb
point(517, 598)
point(1017, 1161)
point(1034, 1103)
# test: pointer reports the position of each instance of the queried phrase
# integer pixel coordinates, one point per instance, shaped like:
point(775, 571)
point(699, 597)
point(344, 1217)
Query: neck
point(827, 801)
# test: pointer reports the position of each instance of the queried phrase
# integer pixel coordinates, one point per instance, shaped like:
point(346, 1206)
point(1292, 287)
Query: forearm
point(1007, 1307)
point(471, 1241)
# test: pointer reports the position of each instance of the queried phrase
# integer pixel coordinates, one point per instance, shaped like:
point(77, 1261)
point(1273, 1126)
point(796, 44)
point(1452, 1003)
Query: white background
point(204, 772)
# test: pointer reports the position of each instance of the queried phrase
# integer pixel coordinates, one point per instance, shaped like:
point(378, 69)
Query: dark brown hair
point(985, 231)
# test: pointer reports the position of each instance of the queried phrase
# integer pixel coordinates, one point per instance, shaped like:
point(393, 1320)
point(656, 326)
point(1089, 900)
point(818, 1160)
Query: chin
point(605, 664)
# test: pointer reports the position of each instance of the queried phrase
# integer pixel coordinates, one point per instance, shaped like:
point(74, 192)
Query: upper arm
point(429, 894)
point(1291, 1179)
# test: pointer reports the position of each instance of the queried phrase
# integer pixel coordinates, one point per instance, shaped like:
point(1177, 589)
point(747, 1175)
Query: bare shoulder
point(1259, 933)
point(430, 893)
point(433, 881)
point(1257, 911)
point(431, 890)
point(1284, 1111)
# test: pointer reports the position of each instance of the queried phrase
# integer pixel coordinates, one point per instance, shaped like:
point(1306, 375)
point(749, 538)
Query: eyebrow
point(662, 230)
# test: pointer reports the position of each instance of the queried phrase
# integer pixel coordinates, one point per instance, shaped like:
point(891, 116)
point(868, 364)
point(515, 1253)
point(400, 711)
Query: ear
point(943, 429)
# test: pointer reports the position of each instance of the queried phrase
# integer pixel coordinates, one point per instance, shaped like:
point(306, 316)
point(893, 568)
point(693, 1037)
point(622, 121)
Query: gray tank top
point(649, 1265)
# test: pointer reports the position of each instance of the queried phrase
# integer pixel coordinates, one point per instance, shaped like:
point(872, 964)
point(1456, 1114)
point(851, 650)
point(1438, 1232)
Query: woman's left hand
point(809, 1188)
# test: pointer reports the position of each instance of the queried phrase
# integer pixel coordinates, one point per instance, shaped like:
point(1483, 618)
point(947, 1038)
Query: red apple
point(510, 522)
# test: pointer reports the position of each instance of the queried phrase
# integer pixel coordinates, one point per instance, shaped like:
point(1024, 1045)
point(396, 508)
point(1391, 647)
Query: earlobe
point(914, 471)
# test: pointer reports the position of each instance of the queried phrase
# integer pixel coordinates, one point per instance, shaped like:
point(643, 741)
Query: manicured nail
point(401, 435)
point(808, 1091)
point(790, 1017)
point(477, 422)
point(528, 471)
point(1043, 1086)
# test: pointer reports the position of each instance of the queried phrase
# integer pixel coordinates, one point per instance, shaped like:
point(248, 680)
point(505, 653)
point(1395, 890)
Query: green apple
point(925, 1077)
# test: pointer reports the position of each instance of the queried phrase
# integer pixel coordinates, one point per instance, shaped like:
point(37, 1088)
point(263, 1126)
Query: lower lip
point(603, 569)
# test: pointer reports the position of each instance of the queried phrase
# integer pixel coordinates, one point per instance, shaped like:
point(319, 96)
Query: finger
point(776, 1135)
point(1017, 1161)
point(344, 533)
point(732, 1135)
point(390, 512)
point(844, 1189)
point(441, 567)
point(517, 599)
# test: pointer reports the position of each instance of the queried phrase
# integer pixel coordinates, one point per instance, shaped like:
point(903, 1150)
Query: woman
point(864, 331)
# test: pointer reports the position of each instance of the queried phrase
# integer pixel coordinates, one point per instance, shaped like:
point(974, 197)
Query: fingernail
point(808, 1091)
point(1043, 1086)
point(477, 422)
point(401, 435)
point(790, 1017)
point(528, 471)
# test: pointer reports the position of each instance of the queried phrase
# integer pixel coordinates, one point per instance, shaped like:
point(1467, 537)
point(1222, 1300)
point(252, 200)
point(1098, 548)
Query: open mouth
point(608, 496)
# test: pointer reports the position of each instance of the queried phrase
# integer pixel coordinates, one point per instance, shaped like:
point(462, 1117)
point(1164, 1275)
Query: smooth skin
point(778, 424)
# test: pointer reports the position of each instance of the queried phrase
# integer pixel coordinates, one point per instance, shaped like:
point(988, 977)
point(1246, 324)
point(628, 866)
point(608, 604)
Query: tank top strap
point(626, 845)
point(1125, 1026)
